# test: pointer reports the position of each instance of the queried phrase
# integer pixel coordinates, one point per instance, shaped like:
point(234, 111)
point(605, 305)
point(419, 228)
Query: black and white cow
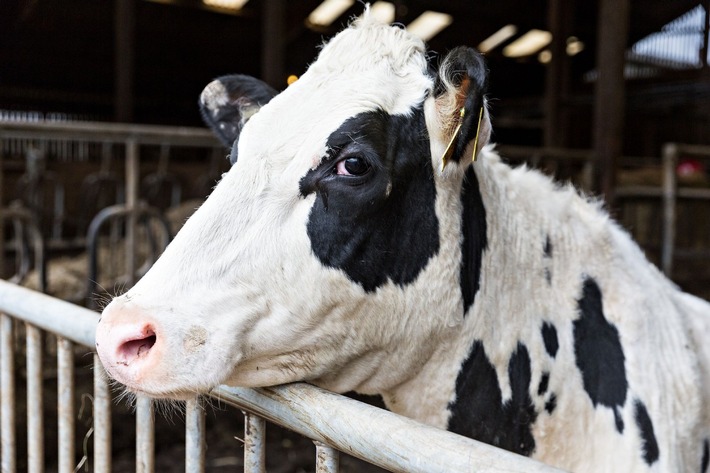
point(486, 300)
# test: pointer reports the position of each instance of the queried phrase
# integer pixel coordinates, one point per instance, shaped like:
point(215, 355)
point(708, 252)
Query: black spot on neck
point(381, 226)
point(599, 354)
point(648, 438)
point(547, 248)
point(475, 239)
point(544, 382)
point(706, 457)
point(551, 404)
point(479, 411)
point(549, 337)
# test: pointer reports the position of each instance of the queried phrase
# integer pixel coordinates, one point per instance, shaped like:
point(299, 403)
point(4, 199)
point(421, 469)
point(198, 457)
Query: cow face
point(330, 252)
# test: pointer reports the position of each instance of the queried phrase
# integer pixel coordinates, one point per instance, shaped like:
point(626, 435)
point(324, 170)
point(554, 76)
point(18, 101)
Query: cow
point(369, 238)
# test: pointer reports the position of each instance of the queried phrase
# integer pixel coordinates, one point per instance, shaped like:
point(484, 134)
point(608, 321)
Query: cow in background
point(354, 245)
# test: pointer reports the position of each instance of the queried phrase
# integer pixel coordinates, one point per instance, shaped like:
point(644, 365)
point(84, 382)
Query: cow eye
point(353, 166)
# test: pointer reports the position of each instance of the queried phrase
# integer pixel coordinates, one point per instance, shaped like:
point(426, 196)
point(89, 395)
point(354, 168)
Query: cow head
point(331, 251)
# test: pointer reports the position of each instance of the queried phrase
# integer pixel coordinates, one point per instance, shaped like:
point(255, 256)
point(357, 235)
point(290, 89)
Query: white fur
point(242, 273)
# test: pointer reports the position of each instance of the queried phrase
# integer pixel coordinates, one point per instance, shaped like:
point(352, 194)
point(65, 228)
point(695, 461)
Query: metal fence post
point(145, 435)
point(254, 443)
point(195, 444)
point(327, 459)
point(102, 420)
point(65, 404)
point(670, 161)
point(7, 395)
point(35, 414)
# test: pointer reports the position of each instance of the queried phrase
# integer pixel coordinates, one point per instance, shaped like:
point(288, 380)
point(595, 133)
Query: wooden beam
point(559, 19)
point(124, 50)
point(609, 101)
point(273, 46)
point(706, 37)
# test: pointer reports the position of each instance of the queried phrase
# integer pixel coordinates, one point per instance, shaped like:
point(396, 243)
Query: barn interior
point(103, 153)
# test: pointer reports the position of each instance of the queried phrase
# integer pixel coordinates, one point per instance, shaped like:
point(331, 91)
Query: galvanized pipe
point(145, 435)
point(8, 460)
point(327, 458)
point(49, 313)
point(670, 187)
point(132, 172)
point(254, 443)
point(111, 132)
point(377, 436)
point(380, 437)
point(102, 420)
point(65, 404)
point(35, 414)
point(195, 444)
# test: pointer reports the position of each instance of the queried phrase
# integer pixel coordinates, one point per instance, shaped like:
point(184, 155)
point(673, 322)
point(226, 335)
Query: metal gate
point(335, 423)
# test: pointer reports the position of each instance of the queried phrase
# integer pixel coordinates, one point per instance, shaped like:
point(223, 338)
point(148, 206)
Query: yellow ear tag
point(450, 148)
point(478, 130)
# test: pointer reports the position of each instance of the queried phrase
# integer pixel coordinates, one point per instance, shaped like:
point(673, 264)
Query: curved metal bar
point(23, 218)
point(115, 212)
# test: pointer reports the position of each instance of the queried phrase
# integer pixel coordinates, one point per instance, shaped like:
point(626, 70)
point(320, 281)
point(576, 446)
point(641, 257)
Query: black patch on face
point(548, 276)
point(648, 438)
point(354, 224)
point(544, 382)
point(706, 457)
point(551, 404)
point(475, 239)
point(599, 354)
point(479, 411)
point(549, 337)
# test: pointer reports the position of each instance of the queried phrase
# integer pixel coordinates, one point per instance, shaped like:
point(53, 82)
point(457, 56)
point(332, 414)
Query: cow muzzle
point(130, 347)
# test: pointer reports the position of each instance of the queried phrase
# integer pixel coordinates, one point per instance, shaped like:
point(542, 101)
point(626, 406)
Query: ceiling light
point(329, 11)
point(545, 56)
point(226, 4)
point(429, 24)
point(574, 46)
point(529, 43)
point(383, 12)
point(498, 38)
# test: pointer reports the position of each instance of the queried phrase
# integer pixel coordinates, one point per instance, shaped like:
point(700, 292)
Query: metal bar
point(8, 461)
point(35, 414)
point(132, 171)
point(327, 459)
point(195, 445)
point(372, 434)
point(2, 221)
point(145, 435)
point(110, 132)
point(75, 323)
point(380, 437)
point(254, 443)
point(670, 159)
point(102, 420)
point(65, 405)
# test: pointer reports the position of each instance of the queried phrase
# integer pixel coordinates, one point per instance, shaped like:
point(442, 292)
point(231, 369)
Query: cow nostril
point(133, 349)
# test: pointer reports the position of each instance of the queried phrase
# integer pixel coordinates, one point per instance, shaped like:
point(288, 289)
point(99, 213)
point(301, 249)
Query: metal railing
point(671, 192)
point(335, 423)
point(96, 139)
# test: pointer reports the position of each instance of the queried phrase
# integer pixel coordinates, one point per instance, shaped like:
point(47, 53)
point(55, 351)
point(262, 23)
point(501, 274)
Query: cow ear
point(460, 103)
point(228, 102)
